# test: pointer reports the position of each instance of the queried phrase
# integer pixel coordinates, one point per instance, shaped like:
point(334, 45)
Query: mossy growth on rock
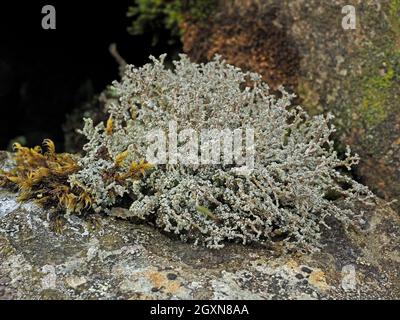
point(156, 16)
point(373, 108)
point(43, 177)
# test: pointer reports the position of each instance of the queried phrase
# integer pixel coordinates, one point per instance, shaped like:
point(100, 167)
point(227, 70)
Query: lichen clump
point(293, 187)
point(288, 194)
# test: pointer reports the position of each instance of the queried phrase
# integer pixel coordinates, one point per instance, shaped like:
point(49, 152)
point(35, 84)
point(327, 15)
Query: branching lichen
point(287, 196)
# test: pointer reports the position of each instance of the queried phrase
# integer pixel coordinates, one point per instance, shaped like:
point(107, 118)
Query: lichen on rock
point(280, 185)
point(286, 197)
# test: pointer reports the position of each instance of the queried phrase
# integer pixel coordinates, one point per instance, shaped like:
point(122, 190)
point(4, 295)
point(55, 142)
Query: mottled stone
point(122, 260)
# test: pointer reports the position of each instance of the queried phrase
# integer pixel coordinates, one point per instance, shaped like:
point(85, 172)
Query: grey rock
point(103, 257)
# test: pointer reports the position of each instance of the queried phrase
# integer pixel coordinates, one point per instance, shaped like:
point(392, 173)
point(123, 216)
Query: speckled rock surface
point(355, 74)
point(105, 258)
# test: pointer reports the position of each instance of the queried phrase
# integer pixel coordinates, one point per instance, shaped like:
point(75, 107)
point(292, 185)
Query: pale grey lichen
point(287, 196)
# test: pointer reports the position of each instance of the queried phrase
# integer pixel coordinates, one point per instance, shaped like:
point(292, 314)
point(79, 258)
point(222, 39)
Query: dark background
point(44, 74)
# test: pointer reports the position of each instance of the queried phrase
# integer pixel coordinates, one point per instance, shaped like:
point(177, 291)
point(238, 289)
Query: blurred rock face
point(355, 74)
point(249, 39)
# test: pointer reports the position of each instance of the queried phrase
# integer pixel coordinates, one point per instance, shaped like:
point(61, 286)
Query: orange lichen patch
point(292, 264)
point(159, 280)
point(43, 177)
point(317, 279)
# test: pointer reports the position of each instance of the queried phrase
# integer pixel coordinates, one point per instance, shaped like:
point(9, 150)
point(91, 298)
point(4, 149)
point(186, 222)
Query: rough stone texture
point(301, 44)
point(98, 257)
point(246, 37)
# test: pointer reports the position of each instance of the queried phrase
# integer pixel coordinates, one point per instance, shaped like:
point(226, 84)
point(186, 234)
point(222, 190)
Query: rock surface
point(355, 74)
point(99, 257)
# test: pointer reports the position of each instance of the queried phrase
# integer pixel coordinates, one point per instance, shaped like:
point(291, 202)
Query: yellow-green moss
point(373, 109)
point(309, 96)
point(157, 15)
point(394, 17)
point(43, 177)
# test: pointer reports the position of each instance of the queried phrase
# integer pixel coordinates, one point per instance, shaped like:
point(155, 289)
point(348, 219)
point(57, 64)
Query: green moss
point(394, 16)
point(309, 97)
point(376, 91)
point(200, 10)
point(153, 16)
point(156, 16)
point(368, 96)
